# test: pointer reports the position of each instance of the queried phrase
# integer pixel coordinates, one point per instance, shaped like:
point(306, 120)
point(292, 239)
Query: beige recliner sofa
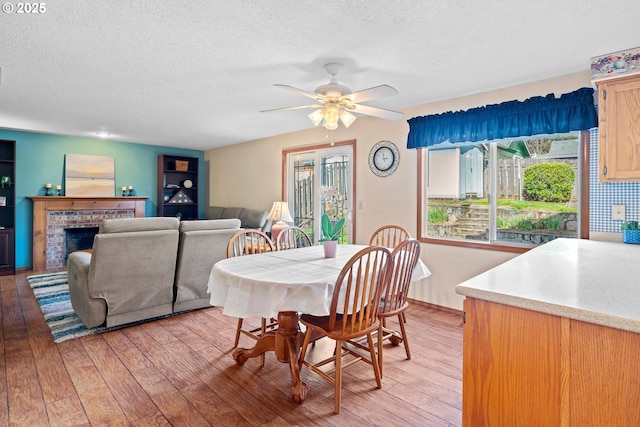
point(202, 244)
point(141, 268)
point(129, 274)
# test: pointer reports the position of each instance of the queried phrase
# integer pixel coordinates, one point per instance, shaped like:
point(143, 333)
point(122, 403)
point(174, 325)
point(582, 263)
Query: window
point(492, 188)
point(507, 194)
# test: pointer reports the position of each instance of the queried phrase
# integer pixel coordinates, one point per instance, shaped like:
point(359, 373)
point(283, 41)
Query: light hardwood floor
point(179, 371)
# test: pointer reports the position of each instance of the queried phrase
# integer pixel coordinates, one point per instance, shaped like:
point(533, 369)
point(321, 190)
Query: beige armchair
point(202, 244)
point(129, 275)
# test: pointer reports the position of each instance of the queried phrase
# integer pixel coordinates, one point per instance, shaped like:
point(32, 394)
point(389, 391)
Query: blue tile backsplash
point(603, 195)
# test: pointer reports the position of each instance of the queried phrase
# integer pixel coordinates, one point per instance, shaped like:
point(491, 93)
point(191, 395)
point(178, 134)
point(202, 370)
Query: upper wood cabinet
point(619, 128)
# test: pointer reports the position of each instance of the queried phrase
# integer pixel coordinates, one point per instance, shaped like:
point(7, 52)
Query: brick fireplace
point(53, 214)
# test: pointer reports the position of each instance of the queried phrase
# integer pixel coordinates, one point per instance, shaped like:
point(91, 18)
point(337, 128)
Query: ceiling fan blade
point(372, 93)
point(293, 108)
point(302, 92)
point(376, 112)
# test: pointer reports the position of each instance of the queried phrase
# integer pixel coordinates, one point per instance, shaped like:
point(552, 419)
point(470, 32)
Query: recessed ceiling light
point(103, 134)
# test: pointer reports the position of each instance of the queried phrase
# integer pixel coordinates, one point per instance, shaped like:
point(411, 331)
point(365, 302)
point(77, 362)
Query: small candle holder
point(47, 190)
point(58, 190)
point(132, 192)
point(124, 191)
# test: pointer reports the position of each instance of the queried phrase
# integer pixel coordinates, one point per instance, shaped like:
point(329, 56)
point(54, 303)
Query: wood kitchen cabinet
point(619, 128)
point(523, 367)
point(512, 365)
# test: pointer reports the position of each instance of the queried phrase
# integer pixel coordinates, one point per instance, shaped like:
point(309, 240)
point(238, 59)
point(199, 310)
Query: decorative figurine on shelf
point(132, 192)
point(124, 191)
point(48, 190)
point(5, 180)
point(58, 190)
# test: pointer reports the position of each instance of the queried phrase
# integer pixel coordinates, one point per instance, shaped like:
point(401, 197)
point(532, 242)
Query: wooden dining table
point(281, 284)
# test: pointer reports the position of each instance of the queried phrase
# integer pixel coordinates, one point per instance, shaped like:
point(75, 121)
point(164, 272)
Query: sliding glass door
point(320, 181)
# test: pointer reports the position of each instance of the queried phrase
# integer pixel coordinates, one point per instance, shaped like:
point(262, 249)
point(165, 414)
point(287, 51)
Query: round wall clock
point(384, 158)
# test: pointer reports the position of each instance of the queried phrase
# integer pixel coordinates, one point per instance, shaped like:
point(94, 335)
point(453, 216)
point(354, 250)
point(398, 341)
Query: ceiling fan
point(336, 102)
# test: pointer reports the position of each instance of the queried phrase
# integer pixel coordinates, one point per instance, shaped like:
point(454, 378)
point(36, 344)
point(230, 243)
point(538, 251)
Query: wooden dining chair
point(353, 313)
point(293, 237)
point(389, 236)
point(394, 301)
point(247, 242)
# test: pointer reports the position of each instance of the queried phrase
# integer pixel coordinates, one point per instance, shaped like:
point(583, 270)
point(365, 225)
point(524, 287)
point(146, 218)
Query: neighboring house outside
point(460, 172)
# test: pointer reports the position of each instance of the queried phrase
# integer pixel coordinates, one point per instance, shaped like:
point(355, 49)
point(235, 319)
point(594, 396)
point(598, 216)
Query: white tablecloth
point(299, 280)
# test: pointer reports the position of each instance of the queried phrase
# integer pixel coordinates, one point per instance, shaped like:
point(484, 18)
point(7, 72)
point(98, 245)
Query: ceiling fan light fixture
point(347, 118)
point(331, 117)
point(331, 126)
point(335, 102)
point(317, 116)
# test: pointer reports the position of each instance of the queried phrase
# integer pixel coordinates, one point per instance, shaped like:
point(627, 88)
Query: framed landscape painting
point(89, 176)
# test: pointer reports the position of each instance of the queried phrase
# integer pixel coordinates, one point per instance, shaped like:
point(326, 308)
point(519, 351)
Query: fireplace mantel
point(43, 204)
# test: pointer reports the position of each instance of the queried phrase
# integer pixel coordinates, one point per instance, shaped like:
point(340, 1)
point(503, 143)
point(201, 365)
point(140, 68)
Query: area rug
point(52, 293)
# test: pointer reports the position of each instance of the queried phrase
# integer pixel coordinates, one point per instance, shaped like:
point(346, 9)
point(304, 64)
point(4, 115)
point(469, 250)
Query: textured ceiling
point(195, 74)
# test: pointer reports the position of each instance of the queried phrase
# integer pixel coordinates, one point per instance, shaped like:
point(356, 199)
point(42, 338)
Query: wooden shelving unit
point(178, 181)
point(7, 207)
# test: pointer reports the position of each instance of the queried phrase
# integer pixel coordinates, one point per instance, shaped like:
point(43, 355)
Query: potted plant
point(330, 234)
point(631, 232)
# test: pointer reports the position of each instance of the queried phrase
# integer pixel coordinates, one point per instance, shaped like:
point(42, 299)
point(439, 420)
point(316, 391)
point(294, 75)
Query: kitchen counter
point(551, 338)
point(591, 281)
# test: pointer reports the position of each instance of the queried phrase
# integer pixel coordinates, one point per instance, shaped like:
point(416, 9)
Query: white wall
point(250, 175)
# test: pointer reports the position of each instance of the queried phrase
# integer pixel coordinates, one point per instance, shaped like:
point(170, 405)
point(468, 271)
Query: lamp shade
point(317, 116)
point(280, 212)
point(331, 117)
point(347, 118)
point(280, 215)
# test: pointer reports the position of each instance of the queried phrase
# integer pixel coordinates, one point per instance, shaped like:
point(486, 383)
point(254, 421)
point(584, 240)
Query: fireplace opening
point(78, 239)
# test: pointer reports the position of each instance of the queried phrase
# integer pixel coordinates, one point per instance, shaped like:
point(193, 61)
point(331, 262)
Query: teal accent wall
point(40, 159)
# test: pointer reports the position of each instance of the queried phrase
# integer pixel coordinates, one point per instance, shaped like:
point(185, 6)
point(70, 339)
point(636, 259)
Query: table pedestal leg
point(287, 350)
point(264, 344)
point(284, 342)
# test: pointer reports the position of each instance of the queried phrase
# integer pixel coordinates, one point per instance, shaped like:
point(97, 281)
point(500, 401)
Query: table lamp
point(280, 216)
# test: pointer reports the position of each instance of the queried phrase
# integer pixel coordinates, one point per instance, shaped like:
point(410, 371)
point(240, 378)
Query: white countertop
point(591, 281)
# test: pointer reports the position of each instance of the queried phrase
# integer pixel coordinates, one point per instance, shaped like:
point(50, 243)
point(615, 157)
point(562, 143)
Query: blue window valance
point(534, 116)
